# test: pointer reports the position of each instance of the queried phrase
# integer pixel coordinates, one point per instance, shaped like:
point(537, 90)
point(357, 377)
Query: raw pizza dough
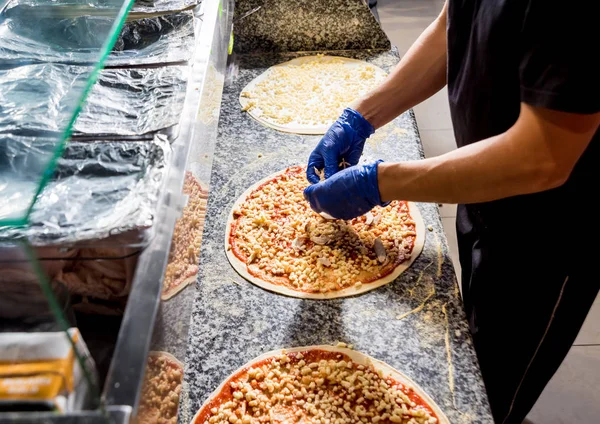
point(372, 369)
point(307, 94)
point(182, 268)
point(161, 387)
point(359, 286)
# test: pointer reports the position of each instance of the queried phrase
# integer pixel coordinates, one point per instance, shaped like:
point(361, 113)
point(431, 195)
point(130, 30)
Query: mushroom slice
point(376, 219)
point(298, 243)
point(324, 261)
point(369, 218)
point(326, 216)
point(380, 250)
point(308, 227)
point(320, 239)
point(402, 253)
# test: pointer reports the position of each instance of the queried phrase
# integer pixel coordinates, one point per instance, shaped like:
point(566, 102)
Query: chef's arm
point(420, 74)
point(538, 153)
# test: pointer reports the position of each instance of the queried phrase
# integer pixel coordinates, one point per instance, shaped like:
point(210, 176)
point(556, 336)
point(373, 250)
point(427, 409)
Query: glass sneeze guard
point(39, 102)
point(32, 95)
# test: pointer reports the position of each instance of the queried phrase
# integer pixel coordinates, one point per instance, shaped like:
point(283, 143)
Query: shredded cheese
point(160, 392)
point(288, 389)
point(282, 238)
point(313, 92)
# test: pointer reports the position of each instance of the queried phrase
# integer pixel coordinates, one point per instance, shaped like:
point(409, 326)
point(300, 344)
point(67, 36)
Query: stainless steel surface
point(194, 145)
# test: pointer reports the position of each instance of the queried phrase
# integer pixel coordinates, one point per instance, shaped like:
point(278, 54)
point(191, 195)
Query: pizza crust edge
point(147, 416)
point(356, 356)
point(168, 292)
point(293, 128)
point(241, 267)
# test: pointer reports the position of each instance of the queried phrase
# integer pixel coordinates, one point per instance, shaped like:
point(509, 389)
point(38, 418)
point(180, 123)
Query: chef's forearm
point(420, 74)
point(538, 153)
point(476, 173)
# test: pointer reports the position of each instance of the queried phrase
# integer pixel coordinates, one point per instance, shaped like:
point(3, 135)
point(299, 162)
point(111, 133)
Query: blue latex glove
point(345, 140)
point(348, 194)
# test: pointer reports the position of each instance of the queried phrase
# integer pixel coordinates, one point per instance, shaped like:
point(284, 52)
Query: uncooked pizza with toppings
point(307, 94)
point(182, 267)
point(318, 384)
point(161, 388)
point(276, 241)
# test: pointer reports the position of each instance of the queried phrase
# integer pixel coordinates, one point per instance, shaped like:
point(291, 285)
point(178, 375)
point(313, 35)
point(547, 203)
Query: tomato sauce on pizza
point(282, 241)
point(313, 386)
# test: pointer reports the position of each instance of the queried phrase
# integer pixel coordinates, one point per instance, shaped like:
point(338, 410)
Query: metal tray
point(100, 190)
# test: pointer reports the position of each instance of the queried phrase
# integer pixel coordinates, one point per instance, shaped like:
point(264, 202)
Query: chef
point(524, 90)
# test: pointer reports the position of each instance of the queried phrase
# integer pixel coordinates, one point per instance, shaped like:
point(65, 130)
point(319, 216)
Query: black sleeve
point(560, 53)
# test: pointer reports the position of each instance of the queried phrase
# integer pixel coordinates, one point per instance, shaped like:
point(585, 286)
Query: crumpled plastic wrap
point(134, 101)
point(99, 189)
point(155, 6)
point(94, 7)
point(123, 101)
point(39, 97)
point(147, 40)
point(23, 161)
point(161, 39)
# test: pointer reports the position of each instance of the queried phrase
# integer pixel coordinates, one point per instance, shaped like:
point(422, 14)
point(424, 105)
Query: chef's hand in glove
point(347, 194)
point(344, 141)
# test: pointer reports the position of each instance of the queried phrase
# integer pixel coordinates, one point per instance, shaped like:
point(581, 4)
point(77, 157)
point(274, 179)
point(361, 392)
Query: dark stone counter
point(234, 321)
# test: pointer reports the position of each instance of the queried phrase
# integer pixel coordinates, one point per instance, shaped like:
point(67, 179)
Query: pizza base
point(357, 357)
point(167, 355)
point(147, 415)
point(242, 269)
point(168, 294)
point(295, 127)
point(171, 285)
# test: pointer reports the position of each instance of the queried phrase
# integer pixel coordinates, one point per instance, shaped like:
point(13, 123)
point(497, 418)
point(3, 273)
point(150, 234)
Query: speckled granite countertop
point(234, 321)
point(300, 25)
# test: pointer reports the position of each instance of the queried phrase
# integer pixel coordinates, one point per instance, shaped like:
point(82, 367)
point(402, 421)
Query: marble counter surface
point(234, 321)
point(300, 25)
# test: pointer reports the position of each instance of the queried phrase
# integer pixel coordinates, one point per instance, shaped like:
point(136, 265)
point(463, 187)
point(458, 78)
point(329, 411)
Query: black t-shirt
point(540, 52)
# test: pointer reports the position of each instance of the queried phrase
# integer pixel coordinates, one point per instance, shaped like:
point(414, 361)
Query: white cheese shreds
point(282, 241)
point(313, 92)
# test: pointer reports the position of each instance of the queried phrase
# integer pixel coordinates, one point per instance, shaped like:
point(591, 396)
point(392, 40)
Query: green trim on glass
point(230, 46)
point(14, 222)
point(60, 319)
point(220, 9)
point(106, 49)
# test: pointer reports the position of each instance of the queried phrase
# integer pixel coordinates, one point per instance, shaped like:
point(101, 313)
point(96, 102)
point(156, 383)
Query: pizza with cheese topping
point(182, 267)
point(307, 94)
point(318, 385)
point(276, 241)
point(161, 388)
